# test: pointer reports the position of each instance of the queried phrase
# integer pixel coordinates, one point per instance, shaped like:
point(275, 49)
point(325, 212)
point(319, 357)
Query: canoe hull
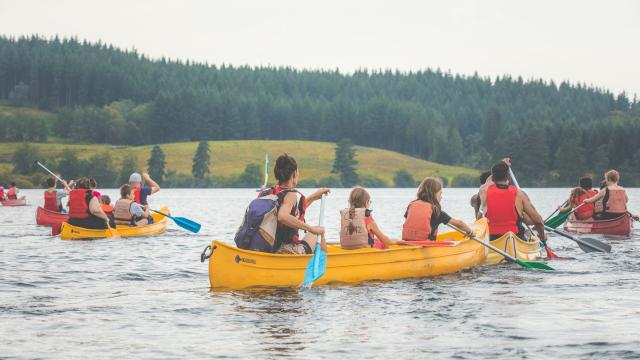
point(70, 232)
point(233, 268)
point(18, 202)
point(49, 218)
point(514, 246)
point(621, 226)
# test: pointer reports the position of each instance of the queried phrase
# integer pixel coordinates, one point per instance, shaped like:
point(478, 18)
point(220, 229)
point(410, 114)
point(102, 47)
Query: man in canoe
point(53, 197)
point(507, 207)
point(140, 191)
point(291, 209)
point(614, 198)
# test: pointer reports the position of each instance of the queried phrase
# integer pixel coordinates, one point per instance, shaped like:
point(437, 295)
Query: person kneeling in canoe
point(53, 197)
point(424, 214)
point(507, 207)
point(84, 208)
point(357, 227)
point(128, 212)
point(291, 210)
point(614, 198)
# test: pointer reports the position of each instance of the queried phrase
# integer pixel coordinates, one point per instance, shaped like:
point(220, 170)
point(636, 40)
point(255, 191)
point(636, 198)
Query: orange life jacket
point(50, 201)
point(108, 209)
point(585, 211)
point(78, 206)
point(11, 194)
point(617, 203)
point(417, 225)
point(501, 209)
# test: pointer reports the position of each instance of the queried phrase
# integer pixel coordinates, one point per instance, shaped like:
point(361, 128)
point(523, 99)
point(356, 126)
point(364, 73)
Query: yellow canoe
point(514, 246)
point(70, 232)
point(233, 268)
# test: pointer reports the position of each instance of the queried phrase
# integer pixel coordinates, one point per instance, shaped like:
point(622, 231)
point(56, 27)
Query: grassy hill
point(229, 158)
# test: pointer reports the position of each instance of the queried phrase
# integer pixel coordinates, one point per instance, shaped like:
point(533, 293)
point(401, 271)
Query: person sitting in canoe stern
point(358, 229)
point(53, 197)
point(84, 208)
point(12, 193)
point(578, 196)
point(105, 204)
point(475, 199)
point(2, 195)
point(93, 185)
point(614, 197)
point(142, 191)
point(128, 212)
point(425, 214)
point(507, 207)
point(291, 210)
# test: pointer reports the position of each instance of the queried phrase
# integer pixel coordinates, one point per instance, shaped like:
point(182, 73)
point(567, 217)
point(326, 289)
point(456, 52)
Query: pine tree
point(345, 163)
point(201, 161)
point(533, 159)
point(155, 164)
point(570, 161)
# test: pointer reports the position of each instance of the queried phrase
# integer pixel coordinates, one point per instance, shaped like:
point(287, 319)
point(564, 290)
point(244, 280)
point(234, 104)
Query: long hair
point(575, 195)
point(427, 191)
point(357, 199)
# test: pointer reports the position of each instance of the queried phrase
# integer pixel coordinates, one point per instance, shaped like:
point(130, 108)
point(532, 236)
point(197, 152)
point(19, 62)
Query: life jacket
point(285, 234)
point(598, 206)
point(501, 209)
point(122, 212)
point(617, 203)
point(51, 201)
point(78, 204)
point(136, 194)
point(11, 194)
point(1, 194)
point(108, 209)
point(361, 236)
point(586, 210)
point(417, 225)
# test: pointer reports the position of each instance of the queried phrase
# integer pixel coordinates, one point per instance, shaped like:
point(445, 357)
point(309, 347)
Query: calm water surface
point(149, 297)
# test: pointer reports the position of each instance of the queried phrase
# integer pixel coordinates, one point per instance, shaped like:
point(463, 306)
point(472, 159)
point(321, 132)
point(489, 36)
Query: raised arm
point(154, 185)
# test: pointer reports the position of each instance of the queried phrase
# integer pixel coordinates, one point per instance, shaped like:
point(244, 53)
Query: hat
point(135, 178)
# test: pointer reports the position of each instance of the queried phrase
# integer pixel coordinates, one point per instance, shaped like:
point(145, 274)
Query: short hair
point(612, 175)
point(284, 168)
point(125, 190)
point(105, 199)
point(586, 183)
point(484, 176)
point(51, 182)
point(13, 183)
point(82, 183)
point(500, 171)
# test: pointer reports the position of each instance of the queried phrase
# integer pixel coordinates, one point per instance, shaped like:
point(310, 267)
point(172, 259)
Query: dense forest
point(554, 132)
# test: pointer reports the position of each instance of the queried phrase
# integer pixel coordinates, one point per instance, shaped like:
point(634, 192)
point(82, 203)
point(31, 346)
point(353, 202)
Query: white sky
point(593, 42)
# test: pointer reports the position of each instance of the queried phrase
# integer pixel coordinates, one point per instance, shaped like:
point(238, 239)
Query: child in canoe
point(424, 214)
point(357, 227)
point(128, 212)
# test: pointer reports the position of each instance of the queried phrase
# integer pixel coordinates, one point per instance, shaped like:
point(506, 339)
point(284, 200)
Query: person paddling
point(424, 214)
point(358, 229)
point(507, 207)
point(2, 194)
point(291, 209)
point(127, 212)
point(577, 198)
point(53, 197)
point(614, 197)
point(84, 208)
point(475, 199)
point(140, 191)
point(12, 193)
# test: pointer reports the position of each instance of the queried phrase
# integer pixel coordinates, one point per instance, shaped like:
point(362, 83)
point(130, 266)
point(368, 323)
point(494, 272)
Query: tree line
point(106, 95)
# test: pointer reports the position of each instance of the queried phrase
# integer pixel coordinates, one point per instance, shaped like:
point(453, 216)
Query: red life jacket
point(50, 201)
point(136, 194)
point(285, 234)
point(11, 194)
point(501, 209)
point(2, 194)
point(585, 211)
point(617, 203)
point(78, 206)
point(417, 225)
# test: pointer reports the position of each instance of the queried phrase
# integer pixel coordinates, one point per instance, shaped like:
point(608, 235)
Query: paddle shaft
point(555, 211)
point(507, 256)
point(50, 172)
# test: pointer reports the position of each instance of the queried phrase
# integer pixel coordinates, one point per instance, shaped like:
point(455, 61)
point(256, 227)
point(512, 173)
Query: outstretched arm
point(595, 198)
point(382, 237)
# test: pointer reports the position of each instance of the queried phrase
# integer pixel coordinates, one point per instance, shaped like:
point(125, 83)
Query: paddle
point(556, 210)
point(550, 254)
point(113, 232)
point(318, 263)
point(528, 265)
point(586, 244)
point(266, 172)
point(50, 172)
point(184, 223)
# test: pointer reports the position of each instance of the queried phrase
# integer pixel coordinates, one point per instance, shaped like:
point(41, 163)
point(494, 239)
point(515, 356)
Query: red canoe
point(622, 225)
point(18, 202)
point(49, 218)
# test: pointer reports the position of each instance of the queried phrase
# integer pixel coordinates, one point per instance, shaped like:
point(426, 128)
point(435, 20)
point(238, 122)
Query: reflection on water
point(149, 297)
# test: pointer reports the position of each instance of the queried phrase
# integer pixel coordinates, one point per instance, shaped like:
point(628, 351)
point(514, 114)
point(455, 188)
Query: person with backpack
point(273, 220)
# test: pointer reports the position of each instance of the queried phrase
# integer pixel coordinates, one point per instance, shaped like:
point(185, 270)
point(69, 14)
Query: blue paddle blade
point(187, 224)
point(316, 266)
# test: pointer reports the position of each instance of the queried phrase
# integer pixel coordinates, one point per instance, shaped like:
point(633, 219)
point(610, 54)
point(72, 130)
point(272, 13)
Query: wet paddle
point(50, 172)
point(556, 210)
point(550, 254)
point(318, 263)
point(586, 244)
point(528, 265)
point(184, 223)
point(561, 218)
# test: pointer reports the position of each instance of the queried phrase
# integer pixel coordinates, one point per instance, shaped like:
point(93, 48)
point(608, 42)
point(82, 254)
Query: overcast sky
point(593, 42)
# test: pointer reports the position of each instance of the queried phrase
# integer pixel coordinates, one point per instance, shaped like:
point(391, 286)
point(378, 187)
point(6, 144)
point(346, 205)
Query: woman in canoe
point(357, 227)
point(424, 214)
point(84, 208)
point(291, 210)
point(614, 198)
point(12, 193)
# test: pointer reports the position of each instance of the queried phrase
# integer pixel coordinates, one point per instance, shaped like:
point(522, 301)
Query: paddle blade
point(534, 265)
point(316, 266)
point(550, 254)
point(593, 245)
point(187, 224)
point(557, 220)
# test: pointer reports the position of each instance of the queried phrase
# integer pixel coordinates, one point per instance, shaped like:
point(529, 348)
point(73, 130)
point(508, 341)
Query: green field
point(229, 158)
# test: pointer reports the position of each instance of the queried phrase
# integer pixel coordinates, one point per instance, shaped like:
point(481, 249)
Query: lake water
point(150, 298)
